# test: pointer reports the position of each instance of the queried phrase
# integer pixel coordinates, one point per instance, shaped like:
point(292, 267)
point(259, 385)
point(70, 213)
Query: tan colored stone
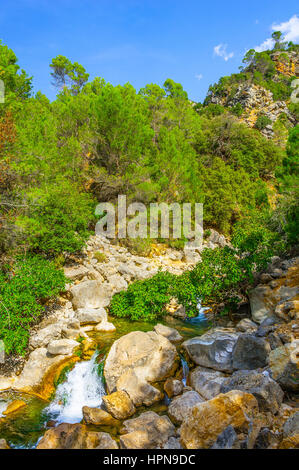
point(14, 406)
point(97, 416)
point(119, 405)
point(210, 418)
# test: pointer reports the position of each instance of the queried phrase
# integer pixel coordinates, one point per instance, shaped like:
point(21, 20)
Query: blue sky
point(146, 41)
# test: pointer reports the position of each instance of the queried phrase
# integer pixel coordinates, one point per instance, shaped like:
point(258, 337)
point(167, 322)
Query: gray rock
point(284, 366)
point(170, 333)
point(172, 443)
point(250, 352)
point(75, 272)
point(213, 349)
point(291, 426)
point(91, 315)
point(267, 392)
point(206, 382)
point(89, 294)
point(62, 346)
point(181, 406)
point(246, 326)
point(45, 335)
point(260, 307)
point(228, 439)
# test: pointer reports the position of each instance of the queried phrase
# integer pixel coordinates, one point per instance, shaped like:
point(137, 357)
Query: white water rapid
point(83, 387)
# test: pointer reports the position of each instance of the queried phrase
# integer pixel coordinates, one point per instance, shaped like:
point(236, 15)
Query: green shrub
point(262, 122)
point(100, 257)
point(23, 288)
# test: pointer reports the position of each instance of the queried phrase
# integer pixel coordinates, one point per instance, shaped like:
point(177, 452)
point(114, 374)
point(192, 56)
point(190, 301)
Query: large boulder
point(137, 360)
point(206, 382)
point(181, 406)
point(260, 303)
point(98, 417)
point(75, 436)
point(250, 352)
point(148, 431)
point(213, 349)
point(284, 366)
point(210, 418)
point(89, 294)
point(119, 405)
point(267, 392)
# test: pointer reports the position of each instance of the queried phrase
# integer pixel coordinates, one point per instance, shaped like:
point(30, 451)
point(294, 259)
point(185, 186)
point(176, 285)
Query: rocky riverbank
point(241, 388)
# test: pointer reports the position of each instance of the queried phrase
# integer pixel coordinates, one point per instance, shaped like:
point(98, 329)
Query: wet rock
point(119, 405)
point(250, 352)
point(148, 431)
point(284, 366)
point(170, 333)
point(105, 326)
point(137, 359)
point(89, 294)
point(14, 406)
point(211, 418)
point(228, 439)
point(75, 436)
point(173, 387)
point(213, 349)
point(206, 382)
point(97, 416)
point(181, 406)
point(267, 392)
point(62, 346)
point(91, 315)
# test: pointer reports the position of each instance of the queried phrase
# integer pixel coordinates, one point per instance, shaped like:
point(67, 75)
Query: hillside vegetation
point(95, 141)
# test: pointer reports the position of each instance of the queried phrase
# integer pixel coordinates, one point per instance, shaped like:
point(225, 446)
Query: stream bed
point(83, 386)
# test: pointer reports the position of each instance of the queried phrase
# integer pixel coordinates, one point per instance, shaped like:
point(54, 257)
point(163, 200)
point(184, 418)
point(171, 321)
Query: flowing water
point(83, 386)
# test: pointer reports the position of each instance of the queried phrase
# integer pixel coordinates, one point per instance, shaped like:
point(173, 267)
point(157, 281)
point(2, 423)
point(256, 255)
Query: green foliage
point(100, 257)
point(262, 122)
point(67, 73)
point(23, 288)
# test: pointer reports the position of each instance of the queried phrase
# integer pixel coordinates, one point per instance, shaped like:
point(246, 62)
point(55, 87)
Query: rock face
point(213, 349)
point(75, 436)
point(277, 297)
point(148, 431)
point(97, 416)
point(135, 361)
point(210, 418)
point(206, 382)
point(284, 366)
point(250, 352)
point(170, 333)
point(267, 392)
point(119, 405)
point(89, 294)
point(181, 406)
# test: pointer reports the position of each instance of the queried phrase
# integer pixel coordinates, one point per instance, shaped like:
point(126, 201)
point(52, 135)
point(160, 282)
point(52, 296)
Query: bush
point(23, 288)
point(262, 122)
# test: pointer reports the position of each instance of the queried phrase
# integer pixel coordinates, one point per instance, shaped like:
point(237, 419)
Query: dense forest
point(95, 140)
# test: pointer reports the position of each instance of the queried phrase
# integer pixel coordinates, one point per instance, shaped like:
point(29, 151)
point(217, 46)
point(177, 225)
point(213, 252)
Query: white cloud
point(289, 29)
point(220, 51)
point(199, 76)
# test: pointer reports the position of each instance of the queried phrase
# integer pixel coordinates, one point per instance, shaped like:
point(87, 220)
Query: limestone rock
point(173, 387)
point(250, 352)
point(105, 326)
point(75, 436)
point(119, 405)
point(284, 366)
point(291, 433)
point(260, 307)
point(228, 439)
point(97, 416)
point(206, 382)
point(246, 326)
point(91, 315)
point(140, 391)
point(148, 431)
point(267, 392)
point(213, 349)
point(181, 406)
point(144, 358)
point(45, 335)
point(62, 346)
point(210, 418)
point(89, 294)
point(172, 443)
point(170, 333)
point(75, 273)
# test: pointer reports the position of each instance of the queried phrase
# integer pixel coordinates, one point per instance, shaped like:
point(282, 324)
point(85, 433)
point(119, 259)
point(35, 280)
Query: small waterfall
point(185, 369)
point(201, 317)
point(83, 387)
